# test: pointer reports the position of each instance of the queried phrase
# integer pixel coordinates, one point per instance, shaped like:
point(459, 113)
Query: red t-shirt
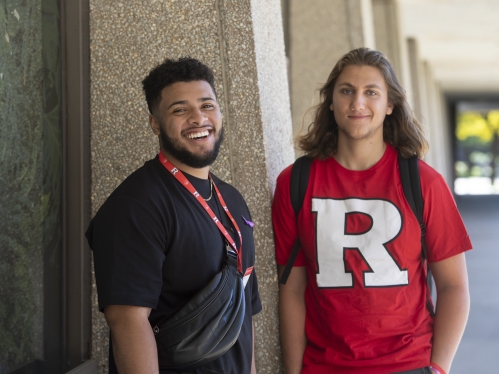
point(365, 297)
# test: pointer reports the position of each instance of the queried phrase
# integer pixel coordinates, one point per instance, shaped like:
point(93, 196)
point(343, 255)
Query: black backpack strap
point(411, 184)
point(298, 187)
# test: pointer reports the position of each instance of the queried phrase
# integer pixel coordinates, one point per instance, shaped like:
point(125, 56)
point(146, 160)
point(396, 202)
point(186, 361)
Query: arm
point(134, 346)
point(253, 366)
point(292, 318)
point(453, 305)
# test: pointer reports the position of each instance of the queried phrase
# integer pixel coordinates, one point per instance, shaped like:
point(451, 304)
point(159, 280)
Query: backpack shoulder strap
point(300, 173)
point(299, 182)
point(411, 184)
point(409, 175)
point(416, 188)
point(405, 177)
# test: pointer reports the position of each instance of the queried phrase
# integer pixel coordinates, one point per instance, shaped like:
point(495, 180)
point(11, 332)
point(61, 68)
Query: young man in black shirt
point(154, 244)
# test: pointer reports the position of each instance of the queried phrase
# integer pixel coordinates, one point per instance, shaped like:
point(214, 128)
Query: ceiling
point(459, 39)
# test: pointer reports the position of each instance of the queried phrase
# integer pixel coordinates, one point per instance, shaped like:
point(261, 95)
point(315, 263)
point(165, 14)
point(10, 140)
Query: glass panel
point(30, 187)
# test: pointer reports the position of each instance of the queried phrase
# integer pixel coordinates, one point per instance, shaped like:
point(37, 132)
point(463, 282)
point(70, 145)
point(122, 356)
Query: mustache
point(198, 128)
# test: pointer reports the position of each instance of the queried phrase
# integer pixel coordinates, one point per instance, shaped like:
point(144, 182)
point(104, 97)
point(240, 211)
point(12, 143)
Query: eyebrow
point(183, 102)
point(372, 85)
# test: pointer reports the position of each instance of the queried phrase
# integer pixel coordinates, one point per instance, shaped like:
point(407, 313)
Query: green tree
point(493, 122)
point(483, 127)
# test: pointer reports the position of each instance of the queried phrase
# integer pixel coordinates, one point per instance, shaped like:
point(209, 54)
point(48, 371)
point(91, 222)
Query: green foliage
point(480, 158)
point(473, 124)
point(493, 120)
point(478, 144)
point(462, 169)
point(476, 171)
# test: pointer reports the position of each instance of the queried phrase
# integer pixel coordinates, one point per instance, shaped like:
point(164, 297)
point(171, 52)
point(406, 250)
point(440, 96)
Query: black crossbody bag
point(209, 324)
point(409, 175)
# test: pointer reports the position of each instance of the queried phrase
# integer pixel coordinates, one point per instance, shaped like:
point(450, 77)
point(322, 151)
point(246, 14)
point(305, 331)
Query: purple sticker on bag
point(249, 223)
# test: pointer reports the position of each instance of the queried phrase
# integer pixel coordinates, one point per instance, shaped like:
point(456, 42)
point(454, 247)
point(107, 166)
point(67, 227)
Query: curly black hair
point(185, 69)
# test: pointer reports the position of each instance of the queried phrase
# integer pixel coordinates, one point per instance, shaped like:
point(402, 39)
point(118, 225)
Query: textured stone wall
point(242, 41)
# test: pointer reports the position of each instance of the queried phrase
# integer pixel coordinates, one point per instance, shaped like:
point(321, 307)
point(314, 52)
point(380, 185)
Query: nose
point(197, 117)
point(358, 102)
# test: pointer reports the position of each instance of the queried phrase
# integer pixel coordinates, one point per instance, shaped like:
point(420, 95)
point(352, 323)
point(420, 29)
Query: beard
point(182, 154)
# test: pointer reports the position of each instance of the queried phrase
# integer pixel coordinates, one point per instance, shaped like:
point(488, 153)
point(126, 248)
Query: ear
point(153, 122)
point(331, 107)
point(389, 108)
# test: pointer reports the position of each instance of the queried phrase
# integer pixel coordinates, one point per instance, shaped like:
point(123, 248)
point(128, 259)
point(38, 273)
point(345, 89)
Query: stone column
point(418, 81)
point(390, 40)
point(429, 107)
point(320, 32)
point(242, 41)
point(421, 104)
point(439, 155)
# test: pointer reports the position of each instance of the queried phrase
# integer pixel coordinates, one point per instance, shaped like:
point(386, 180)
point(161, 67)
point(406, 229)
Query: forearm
point(292, 323)
point(292, 326)
point(453, 304)
point(134, 345)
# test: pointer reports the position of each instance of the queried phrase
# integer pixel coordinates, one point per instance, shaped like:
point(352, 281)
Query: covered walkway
point(479, 349)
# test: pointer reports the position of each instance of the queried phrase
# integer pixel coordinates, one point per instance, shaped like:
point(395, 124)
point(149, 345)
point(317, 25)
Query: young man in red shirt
point(355, 300)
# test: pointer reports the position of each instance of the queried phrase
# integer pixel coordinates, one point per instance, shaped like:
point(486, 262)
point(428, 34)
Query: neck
point(359, 155)
point(201, 173)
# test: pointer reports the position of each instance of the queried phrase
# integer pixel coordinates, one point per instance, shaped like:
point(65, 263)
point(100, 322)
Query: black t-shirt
point(155, 246)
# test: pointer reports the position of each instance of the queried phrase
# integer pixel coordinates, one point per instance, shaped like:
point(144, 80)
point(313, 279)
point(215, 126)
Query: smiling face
point(189, 123)
point(360, 103)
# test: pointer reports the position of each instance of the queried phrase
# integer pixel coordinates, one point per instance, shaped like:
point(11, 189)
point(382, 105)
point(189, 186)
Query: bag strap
point(411, 184)
point(230, 254)
point(300, 173)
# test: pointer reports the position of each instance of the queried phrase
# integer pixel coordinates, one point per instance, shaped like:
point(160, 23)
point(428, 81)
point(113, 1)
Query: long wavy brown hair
point(401, 129)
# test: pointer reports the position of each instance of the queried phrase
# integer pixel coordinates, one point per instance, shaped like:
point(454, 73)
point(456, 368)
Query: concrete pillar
point(447, 138)
point(390, 40)
point(421, 103)
point(320, 32)
point(439, 155)
point(418, 81)
point(242, 41)
point(430, 108)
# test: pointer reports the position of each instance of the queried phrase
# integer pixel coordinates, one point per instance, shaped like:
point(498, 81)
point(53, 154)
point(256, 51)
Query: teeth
point(197, 135)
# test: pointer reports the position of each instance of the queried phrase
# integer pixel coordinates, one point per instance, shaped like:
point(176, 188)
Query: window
point(44, 271)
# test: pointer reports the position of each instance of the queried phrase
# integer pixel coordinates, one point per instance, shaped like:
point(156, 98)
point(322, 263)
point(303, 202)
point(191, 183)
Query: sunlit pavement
point(479, 349)
point(476, 186)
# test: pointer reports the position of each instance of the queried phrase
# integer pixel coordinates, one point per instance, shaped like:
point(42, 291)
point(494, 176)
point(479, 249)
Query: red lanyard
point(184, 182)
